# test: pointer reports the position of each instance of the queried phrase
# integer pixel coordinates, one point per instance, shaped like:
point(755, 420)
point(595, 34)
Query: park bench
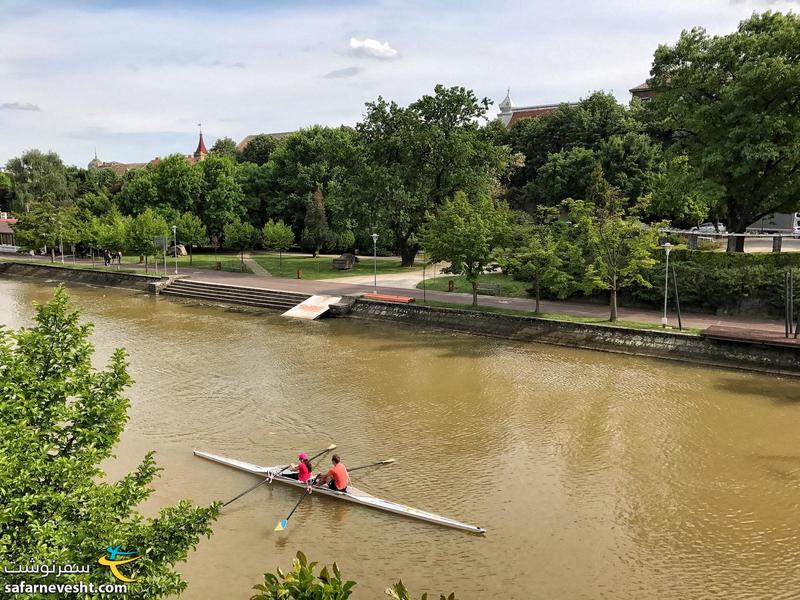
point(389, 298)
point(344, 262)
point(487, 289)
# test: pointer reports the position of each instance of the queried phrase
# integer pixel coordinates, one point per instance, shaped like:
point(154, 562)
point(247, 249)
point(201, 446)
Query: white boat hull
point(352, 494)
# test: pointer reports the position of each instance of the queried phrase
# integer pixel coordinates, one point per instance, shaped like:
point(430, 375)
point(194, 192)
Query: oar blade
point(282, 525)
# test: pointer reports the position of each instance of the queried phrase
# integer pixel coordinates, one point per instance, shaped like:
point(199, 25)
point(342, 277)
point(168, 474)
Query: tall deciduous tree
point(138, 192)
point(418, 156)
point(38, 176)
point(37, 227)
point(465, 234)
point(617, 249)
point(241, 236)
point(259, 149)
point(225, 146)
point(730, 103)
point(178, 182)
point(141, 232)
point(316, 232)
point(222, 195)
point(60, 418)
point(277, 236)
point(191, 231)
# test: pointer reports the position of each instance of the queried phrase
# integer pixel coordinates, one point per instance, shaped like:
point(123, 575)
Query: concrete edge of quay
point(100, 277)
point(621, 340)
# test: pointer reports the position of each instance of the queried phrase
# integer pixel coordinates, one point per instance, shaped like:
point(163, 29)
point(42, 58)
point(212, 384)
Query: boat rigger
point(352, 494)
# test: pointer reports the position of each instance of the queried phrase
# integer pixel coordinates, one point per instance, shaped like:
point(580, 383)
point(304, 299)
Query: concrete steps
point(234, 294)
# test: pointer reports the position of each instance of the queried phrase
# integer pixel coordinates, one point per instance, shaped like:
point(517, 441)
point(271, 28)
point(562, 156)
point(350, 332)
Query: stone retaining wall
point(107, 278)
point(658, 344)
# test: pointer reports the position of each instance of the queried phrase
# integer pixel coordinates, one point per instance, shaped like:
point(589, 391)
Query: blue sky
point(134, 78)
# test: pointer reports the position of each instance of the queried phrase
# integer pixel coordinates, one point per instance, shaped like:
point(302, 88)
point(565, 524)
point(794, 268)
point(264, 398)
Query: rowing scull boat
point(352, 494)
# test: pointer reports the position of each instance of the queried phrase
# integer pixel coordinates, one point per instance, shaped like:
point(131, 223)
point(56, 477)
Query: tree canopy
point(59, 419)
point(730, 103)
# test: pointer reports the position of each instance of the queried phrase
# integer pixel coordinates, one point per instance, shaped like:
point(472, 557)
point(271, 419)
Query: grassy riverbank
point(506, 286)
point(322, 267)
point(555, 316)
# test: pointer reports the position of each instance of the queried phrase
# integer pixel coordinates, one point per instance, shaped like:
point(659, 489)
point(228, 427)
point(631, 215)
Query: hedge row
point(723, 282)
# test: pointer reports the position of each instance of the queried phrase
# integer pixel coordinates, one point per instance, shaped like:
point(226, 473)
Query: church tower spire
point(201, 151)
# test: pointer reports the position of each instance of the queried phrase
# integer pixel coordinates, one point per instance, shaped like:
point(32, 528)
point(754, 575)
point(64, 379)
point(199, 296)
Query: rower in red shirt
point(303, 469)
point(336, 477)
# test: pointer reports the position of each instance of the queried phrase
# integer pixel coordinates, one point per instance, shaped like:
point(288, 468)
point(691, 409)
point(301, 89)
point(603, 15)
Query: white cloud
point(371, 48)
point(20, 106)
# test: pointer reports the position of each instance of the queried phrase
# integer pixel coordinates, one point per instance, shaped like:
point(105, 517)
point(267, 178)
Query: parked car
point(709, 228)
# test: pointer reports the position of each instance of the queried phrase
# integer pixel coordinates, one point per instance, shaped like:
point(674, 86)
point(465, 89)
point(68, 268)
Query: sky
point(134, 78)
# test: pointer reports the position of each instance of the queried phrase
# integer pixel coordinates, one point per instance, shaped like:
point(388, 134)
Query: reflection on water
point(596, 475)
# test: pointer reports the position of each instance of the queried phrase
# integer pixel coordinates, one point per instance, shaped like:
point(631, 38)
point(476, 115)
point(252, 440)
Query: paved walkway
point(338, 287)
point(256, 268)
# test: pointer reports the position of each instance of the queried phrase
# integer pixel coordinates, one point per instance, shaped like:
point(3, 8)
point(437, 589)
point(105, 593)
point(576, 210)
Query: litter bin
point(299, 273)
point(218, 265)
point(451, 285)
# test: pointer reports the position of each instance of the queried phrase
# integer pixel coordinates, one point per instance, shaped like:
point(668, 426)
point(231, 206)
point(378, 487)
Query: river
point(595, 475)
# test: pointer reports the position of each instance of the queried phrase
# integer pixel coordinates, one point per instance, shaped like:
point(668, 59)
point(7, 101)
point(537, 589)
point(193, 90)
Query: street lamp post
point(667, 247)
point(375, 261)
point(175, 246)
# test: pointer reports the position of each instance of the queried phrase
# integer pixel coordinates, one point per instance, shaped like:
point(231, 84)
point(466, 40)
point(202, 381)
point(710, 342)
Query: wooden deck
point(752, 336)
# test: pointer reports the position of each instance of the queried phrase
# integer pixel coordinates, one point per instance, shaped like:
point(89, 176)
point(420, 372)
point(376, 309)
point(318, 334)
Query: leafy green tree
point(178, 183)
point(730, 103)
point(316, 232)
point(317, 157)
point(191, 231)
point(60, 418)
point(240, 235)
point(256, 183)
point(38, 176)
point(141, 231)
point(259, 149)
point(112, 232)
point(6, 191)
point(138, 192)
point(465, 234)
point(277, 236)
point(37, 228)
point(616, 248)
point(418, 156)
point(222, 200)
point(541, 258)
point(680, 195)
point(225, 146)
point(603, 130)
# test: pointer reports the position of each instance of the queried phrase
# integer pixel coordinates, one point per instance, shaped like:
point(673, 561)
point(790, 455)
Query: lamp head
point(375, 238)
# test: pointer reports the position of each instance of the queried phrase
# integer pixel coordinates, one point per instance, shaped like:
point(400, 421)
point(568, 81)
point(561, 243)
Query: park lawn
point(556, 316)
point(230, 262)
point(506, 286)
point(322, 268)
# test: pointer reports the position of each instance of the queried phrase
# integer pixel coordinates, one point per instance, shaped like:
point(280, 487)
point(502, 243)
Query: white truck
point(777, 223)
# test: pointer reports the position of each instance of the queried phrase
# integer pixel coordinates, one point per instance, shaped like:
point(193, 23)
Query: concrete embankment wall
point(107, 278)
point(657, 344)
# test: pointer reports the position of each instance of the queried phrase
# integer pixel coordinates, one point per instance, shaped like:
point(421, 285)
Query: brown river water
point(595, 475)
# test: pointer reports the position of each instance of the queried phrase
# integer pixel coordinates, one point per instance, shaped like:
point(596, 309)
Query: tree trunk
point(242, 261)
point(280, 263)
point(145, 263)
point(614, 301)
point(191, 256)
point(52, 254)
point(735, 244)
point(538, 295)
point(474, 293)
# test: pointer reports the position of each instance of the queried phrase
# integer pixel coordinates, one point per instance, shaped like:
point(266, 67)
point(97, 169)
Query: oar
point(267, 479)
point(284, 522)
point(388, 461)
